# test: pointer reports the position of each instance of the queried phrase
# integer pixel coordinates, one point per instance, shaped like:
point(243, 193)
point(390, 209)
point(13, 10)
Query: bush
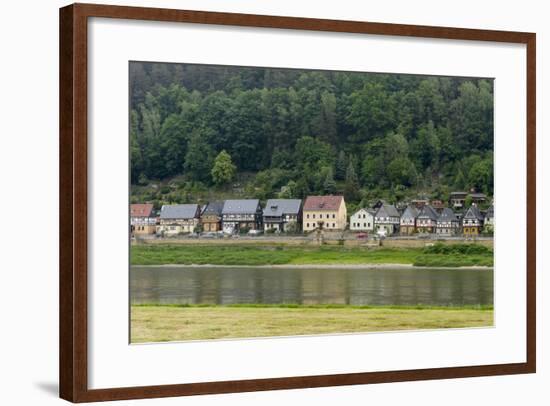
point(440, 248)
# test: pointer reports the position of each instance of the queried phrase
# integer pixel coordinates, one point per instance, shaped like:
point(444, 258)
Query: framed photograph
point(257, 202)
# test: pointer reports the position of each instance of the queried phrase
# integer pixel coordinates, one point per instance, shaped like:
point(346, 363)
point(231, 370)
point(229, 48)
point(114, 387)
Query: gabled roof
point(323, 202)
point(478, 195)
point(447, 215)
point(473, 213)
point(141, 210)
point(179, 211)
point(370, 212)
point(428, 212)
point(240, 206)
point(410, 213)
point(213, 208)
point(387, 210)
point(279, 207)
point(459, 194)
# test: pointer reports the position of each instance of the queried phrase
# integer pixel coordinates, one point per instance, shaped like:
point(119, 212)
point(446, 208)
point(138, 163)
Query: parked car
point(362, 236)
point(255, 232)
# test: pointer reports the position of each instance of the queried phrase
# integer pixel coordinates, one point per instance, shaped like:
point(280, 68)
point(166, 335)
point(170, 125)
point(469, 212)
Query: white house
point(362, 220)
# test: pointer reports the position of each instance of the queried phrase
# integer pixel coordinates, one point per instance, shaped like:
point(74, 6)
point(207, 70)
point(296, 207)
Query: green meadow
point(439, 255)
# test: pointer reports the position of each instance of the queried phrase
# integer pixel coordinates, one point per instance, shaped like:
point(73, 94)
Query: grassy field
point(176, 323)
point(232, 254)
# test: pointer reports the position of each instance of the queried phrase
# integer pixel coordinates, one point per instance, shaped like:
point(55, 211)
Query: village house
point(178, 218)
point(239, 215)
point(438, 206)
point(457, 199)
point(386, 219)
point(419, 203)
point(211, 217)
point(362, 220)
point(472, 222)
point(447, 223)
point(407, 223)
point(427, 220)
point(142, 219)
point(327, 212)
point(478, 198)
point(283, 215)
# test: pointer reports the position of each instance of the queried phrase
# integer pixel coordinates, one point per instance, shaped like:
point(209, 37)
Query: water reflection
point(182, 285)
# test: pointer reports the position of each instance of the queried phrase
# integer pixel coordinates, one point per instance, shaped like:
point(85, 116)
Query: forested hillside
point(291, 133)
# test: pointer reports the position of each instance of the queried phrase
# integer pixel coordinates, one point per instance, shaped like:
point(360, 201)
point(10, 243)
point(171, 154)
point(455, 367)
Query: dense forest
point(267, 132)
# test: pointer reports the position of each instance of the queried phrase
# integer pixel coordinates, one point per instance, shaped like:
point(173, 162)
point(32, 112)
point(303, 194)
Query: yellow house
point(326, 212)
point(472, 222)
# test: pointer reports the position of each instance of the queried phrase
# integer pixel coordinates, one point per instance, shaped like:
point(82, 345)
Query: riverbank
point(156, 323)
point(438, 255)
point(314, 266)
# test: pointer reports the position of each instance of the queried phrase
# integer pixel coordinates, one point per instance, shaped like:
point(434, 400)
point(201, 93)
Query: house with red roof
point(142, 218)
point(324, 212)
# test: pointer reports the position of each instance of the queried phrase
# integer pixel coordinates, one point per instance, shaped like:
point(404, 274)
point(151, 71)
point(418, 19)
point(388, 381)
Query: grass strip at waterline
point(439, 255)
point(158, 323)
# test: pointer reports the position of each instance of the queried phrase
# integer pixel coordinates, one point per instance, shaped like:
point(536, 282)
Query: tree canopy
point(315, 131)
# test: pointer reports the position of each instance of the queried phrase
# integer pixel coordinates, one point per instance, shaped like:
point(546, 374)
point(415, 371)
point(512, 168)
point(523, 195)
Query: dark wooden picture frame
point(73, 201)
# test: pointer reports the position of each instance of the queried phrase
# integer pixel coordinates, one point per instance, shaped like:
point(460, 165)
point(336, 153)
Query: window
point(333, 225)
point(327, 216)
point(307, 217)
point(314, 216)
point(307, 224)
point(334, 216)
point(364, 224)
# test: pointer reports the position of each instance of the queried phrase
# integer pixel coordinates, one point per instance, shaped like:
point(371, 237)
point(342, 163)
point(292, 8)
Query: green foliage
point(329, 185)
point(480, 176)
point(406, 130)
point(198, 159)
point(465, 249)
point(351, 188)
point(401, 171)
point(223, 170)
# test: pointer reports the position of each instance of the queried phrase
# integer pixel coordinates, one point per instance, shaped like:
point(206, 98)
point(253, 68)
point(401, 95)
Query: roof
point(478, 195)
point(240, 206)
point(447, 215)
point(387, 210)
point(213, 208)
point(141, 210)
point(179, 211)
point(459, 193)
point(363, 210)
point(409, 213)
point(490, 212)
point(379, 203)
point(278, 207)
point(323, 202)
point(428, 212)
point(473, 213)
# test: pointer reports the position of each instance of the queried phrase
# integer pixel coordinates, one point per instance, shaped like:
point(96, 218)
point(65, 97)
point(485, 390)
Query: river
point(399, 286)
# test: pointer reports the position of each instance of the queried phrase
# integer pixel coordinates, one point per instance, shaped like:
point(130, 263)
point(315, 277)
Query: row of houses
point(232, 216)
point(317, 212)
point(388, 220)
